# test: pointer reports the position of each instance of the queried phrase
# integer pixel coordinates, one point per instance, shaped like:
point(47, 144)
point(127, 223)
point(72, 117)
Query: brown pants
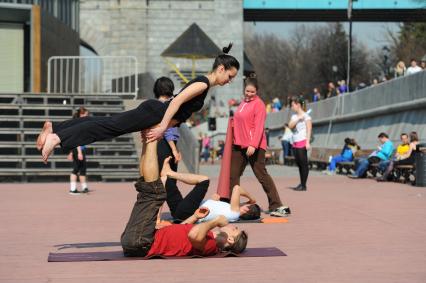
point(239, 162)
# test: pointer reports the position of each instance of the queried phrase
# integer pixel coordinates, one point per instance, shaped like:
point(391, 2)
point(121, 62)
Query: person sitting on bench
point(407, 158)
point(140, 237)
point(383, 152)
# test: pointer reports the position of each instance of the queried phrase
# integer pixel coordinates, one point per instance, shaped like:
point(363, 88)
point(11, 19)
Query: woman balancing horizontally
point(149, 114)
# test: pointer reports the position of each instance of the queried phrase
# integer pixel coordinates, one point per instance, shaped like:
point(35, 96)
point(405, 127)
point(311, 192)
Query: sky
point(372, 34)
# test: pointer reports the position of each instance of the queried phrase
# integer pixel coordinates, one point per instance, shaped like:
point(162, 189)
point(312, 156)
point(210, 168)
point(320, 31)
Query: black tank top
point(195, 104)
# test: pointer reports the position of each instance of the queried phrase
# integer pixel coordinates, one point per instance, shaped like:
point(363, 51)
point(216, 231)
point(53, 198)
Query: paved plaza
point(341, 230)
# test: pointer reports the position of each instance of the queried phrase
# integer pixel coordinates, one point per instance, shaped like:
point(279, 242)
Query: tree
point(291, 67)
point(409, 42)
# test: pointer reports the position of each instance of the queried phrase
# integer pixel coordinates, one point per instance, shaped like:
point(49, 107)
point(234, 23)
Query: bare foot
point(41, 139)
point(166, 167)
point(52, 140)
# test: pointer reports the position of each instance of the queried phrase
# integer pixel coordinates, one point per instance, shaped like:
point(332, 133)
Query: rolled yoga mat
point(223, 189)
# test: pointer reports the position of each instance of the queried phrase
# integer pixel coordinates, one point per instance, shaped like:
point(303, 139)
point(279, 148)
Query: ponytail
point(227, 61)
point(228, 48)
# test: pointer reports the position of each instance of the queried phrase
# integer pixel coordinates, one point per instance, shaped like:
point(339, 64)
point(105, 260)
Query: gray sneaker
point(282, 211)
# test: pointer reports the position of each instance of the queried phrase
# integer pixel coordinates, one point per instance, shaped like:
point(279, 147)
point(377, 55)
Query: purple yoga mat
point(118, 255)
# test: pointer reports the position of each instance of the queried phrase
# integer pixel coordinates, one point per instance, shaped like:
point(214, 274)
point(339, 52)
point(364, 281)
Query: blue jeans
point(336, 159)
point(383, 165)
point(362, 167)
point(286, 149)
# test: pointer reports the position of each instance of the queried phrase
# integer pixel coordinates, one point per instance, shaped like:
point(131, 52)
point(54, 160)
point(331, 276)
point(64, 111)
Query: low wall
point(393, 107)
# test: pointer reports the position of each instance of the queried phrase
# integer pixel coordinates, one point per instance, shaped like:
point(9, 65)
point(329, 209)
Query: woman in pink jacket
point(249, 146)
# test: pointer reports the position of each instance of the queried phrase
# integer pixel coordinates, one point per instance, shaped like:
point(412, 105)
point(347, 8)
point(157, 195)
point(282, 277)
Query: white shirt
point(288, 135)
point(219, 208)
point(413, 70)
point(299, 132)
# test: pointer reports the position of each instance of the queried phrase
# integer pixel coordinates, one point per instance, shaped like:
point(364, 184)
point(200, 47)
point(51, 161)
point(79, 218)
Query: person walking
point(249, 146)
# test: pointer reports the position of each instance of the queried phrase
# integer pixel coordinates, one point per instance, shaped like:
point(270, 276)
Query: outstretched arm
point(187, 94)
point(197, 235)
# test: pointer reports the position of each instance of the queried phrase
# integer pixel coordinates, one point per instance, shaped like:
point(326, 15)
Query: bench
point(272, 156)
point(407, 172)
point(289, 160)
point(320, 157)
point(348, 167)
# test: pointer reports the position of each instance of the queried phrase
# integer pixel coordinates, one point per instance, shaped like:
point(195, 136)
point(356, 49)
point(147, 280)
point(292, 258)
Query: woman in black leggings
point(72, 133)
point(301, 124)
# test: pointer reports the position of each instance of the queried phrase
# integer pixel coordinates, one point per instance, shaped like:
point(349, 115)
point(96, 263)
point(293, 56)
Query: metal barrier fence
point(393, 107)
point(408, 91)
point(115, 75)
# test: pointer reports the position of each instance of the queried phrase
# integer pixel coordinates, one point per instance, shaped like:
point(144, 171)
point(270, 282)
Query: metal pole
point(348, 77)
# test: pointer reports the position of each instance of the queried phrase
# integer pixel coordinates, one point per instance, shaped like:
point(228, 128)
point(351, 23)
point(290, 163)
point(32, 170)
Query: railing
point(393, 107)
point(117, 75)
point(396, 93)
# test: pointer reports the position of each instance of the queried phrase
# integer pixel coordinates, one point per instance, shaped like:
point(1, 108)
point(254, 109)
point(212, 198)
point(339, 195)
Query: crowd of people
point(399, 70)
point(340, 87)
point(386, 156)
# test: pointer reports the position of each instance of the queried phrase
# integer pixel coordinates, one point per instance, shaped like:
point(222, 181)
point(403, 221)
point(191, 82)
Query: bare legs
point(149, 163)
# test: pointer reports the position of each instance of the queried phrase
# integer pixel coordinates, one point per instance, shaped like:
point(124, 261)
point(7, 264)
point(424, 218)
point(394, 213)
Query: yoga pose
point(72, 133)
point(140, 237)
point(182, 208)
point(249, 146)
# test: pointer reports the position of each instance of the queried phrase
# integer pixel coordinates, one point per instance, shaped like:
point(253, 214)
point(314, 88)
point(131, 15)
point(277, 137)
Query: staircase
point(21, 118)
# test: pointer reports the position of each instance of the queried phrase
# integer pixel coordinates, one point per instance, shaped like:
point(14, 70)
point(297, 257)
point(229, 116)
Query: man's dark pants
point(138, 236)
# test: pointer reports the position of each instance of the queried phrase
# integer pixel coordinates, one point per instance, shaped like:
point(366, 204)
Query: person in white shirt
point(301, 124)
point(182, 208)
point(286, 141)
point(232, 211)
point(413, 68)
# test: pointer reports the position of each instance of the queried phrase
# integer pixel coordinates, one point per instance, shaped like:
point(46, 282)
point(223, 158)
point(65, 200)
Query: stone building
point(145, 28)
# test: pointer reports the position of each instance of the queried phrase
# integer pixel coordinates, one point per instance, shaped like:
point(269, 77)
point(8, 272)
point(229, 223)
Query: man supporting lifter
point(140, 237)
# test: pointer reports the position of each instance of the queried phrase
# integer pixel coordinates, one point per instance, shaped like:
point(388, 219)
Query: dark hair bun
point(227, 48)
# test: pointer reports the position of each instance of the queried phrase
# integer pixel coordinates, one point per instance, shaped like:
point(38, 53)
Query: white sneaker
point(282, 211)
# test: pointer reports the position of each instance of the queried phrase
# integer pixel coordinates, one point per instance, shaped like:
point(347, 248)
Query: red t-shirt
point(173, 241)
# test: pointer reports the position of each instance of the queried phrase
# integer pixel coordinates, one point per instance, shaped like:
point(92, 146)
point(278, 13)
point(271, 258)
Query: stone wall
point(146, 28)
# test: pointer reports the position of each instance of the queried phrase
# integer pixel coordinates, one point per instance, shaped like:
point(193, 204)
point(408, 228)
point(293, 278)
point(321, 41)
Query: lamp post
point(348, 76)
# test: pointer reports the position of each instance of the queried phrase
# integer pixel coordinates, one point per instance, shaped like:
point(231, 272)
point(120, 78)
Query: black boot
point(300, 188)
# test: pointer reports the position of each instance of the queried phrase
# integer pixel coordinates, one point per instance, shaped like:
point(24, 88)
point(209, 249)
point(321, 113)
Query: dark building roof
point(194, 43)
